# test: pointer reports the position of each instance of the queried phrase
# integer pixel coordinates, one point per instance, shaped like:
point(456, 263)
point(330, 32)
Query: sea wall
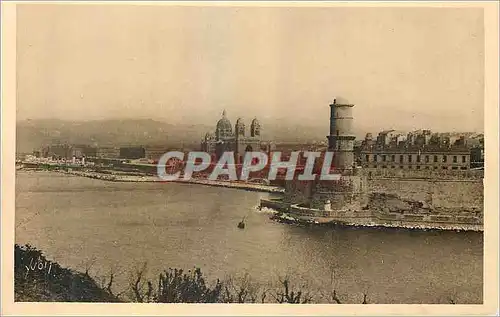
point(445, 192)
point(445, 199)
point(276, 204)
point(376, 218)
point(436, 195)
point(430, 219)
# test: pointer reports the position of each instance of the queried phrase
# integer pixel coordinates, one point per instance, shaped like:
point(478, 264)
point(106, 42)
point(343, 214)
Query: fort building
point(416, 150)
point(447, 197)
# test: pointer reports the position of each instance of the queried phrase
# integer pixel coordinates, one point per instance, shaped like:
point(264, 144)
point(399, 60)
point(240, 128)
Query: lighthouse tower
point(341, 138)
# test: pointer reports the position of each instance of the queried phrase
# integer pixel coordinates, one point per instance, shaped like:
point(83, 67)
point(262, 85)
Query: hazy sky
point(402, 67)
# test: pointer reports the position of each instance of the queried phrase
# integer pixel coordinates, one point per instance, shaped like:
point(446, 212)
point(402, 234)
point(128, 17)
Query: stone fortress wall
point(436, 190)
point(428, 198)
point(447, 199)
point(442, 204)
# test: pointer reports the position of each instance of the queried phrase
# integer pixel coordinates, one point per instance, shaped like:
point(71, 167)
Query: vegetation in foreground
point(40, 280)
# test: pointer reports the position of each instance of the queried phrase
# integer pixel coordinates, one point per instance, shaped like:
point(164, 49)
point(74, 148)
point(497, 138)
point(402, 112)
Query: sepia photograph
point(251, 153)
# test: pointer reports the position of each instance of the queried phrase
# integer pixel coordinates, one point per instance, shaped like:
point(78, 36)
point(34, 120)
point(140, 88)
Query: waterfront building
point(132, 152)
point(77, 152)
point(477, 151)
point(154, 153)
point(477, 157)
point(57, 151)
point(416, 150)
point(108, 152)
point(89, 151)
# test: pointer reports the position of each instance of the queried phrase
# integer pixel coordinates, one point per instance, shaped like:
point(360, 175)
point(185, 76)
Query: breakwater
point(155, 179)
point(235, 185)
point(363, 218)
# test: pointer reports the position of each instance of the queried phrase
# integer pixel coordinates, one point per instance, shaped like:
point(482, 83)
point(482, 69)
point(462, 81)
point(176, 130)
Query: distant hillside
point(35, 133)
point(32, 134)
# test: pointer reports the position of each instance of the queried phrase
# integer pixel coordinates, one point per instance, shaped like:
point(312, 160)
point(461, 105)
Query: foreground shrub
point(38, 280)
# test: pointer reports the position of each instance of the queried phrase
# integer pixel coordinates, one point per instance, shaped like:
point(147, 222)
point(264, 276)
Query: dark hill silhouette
point(121, 132)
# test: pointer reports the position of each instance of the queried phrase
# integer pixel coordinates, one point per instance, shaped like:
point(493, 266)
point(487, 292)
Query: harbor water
point(88, 223)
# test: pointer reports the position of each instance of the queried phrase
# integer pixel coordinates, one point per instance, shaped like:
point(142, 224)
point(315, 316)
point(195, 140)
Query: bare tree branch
point(137, 285)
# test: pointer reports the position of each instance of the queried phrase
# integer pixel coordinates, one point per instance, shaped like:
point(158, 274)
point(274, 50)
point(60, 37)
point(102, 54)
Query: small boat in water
point(241, 224)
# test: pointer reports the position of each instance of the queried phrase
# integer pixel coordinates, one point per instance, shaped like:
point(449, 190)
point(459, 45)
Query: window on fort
point(454, 168)
point(367, 157)
point(383, 158)
point(463, 167)
point(435, 167)
point(445, 168)
point(393, 166)
point(427, 167)
point(418, 167)
point(384, 166)
point(409, 158)
point(435, 158)
point(427, 159)
point(418, 158)
point(444, 159)
point(375, 157)
point(401, 166)
point(410, 167)
point(393, 158)
point(463, 159)
point(401, 159)
point(454, 159)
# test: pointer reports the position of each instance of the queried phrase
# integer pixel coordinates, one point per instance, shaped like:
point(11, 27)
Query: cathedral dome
point(224, 124)
point(224, 128)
